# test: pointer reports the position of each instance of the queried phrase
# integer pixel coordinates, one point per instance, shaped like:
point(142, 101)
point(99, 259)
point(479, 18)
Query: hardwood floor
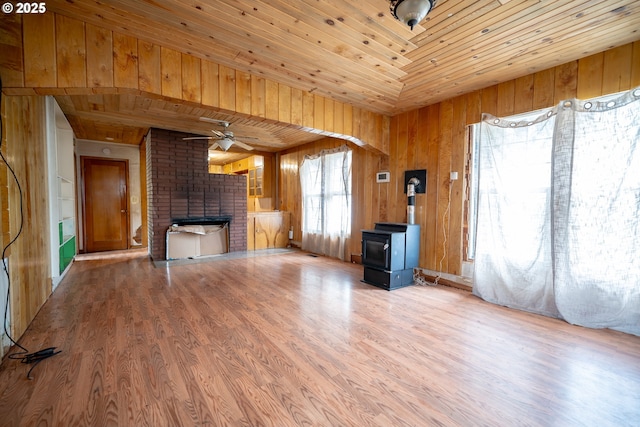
point(293, 340)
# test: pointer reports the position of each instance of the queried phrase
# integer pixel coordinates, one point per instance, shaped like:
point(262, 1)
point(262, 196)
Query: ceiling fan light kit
point(411, 12)
point(225, 143)
point(224, 139)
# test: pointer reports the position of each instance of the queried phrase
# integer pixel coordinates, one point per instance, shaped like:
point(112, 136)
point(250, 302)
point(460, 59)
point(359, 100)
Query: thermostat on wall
point(383, 177)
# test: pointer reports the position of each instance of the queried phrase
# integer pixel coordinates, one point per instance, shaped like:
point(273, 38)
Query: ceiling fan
point(225, 138)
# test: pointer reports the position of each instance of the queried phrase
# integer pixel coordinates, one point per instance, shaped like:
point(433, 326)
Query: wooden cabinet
point(239, 166)
point(256, 182)
point(260, 171)
point(266, 230)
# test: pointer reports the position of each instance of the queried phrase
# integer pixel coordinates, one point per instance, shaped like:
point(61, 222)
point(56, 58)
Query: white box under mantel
point(193, 241)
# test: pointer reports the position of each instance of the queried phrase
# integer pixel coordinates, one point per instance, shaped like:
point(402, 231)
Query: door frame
point(81, 197)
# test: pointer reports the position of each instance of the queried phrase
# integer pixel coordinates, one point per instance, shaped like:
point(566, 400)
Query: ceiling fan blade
point(253, 138)
point(196, 137)
point(216, 121)
point(243, 145)
point(218, 134)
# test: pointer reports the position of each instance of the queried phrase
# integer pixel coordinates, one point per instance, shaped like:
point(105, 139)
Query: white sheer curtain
point(326, 202)
point(559, 213)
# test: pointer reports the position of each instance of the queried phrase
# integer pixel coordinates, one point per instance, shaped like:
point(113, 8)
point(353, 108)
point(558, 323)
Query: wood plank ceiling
point(352, 51)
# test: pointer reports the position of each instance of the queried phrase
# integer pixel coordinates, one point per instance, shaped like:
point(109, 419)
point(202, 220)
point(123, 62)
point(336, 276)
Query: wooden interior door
point(106, 218)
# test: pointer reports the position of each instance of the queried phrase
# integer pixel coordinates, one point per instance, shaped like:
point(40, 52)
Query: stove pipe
point(411, 200)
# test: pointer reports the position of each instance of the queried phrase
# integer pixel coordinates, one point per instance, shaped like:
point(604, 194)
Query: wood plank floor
point(293, 340)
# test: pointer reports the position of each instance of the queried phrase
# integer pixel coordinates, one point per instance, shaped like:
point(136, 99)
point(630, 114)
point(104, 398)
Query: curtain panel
point(326, 202)
point(559, 213)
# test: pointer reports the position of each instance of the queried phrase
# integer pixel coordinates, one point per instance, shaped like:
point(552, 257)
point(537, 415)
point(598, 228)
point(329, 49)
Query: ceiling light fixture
point(225, 143)
point(411, 12)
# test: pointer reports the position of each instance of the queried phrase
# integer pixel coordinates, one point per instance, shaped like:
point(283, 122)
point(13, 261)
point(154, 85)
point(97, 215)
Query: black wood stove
point(389, 253)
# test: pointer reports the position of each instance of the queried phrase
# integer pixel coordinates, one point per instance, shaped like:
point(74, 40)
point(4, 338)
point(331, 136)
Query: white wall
point(131, 153)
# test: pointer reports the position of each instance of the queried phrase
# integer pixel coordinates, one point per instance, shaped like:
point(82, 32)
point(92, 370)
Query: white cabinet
point(66, 198)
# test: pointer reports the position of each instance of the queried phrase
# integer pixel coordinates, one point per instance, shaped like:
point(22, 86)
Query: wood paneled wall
point(24, 146)
point(53, 55)
point(434, 138)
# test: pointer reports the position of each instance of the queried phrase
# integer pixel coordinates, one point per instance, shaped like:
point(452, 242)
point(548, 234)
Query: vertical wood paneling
point(394, 170)
point(420, 153)
point(400, 211)
point(227, 88)
point(474, 106)
point(590, 71)
point(413, 161)
point(210, 83)
point(149, 77)
point(71, 52)
point(338, 118)
point(347, 112)
point(258, 88)
point(359, 188)
point(635, 65)
point(296, 107)
point(385, 188)
point(99, 57)
point(171, 72)
point(243, 92)
point(459, 122)
point(284, 103)
point(444, 167)
point(490, 100)
point(318, 112)
point(506, 101)
point(366, 195)
point(617, 69)
point(565, 81)
point(125, 61)
point(5, 224)
point(308, 103)
point(431, 221)
point(356, 117)
point(543, 84)
point(191, 81)
point(39, 50)
point(272, 96)
point(328, 115)
point(30, 254)
point(523, 94)
point(11, 60)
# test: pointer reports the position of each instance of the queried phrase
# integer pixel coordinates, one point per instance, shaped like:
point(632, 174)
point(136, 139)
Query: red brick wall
point(180, 186)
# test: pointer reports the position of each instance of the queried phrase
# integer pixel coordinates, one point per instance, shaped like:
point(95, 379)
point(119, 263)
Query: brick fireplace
point(179, 185)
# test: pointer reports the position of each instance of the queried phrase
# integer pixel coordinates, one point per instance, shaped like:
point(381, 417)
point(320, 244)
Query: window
point(326, 202)
point(558, 208)
point(526, 170)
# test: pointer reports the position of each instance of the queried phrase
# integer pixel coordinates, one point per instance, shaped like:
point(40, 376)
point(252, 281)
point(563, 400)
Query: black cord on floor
point(34, 358)
point(24, 355)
